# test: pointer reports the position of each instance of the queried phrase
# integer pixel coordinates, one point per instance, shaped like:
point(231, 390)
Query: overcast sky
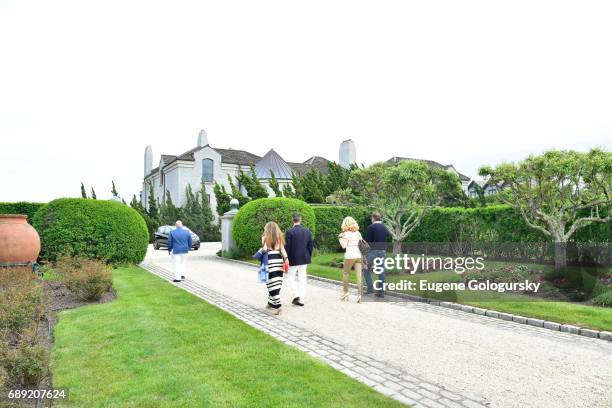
point(85, 86)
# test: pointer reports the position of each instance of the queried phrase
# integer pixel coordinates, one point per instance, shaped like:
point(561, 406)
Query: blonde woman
point(274, 243)
point(349, 239)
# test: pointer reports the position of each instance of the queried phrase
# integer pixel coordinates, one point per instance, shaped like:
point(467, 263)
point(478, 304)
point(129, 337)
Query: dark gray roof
point(431, 163)
point(244, 158)
point(273, 162)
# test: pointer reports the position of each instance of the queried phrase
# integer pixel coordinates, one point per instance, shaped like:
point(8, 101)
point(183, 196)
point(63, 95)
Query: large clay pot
point(19, 241)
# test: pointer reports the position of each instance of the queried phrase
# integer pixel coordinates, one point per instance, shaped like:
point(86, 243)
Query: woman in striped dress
point(274, 243)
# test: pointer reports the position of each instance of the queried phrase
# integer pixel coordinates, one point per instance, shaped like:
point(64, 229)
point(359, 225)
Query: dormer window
point(207, 171)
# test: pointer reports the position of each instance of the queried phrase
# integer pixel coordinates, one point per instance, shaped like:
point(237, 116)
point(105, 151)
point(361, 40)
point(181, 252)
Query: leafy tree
point(223, 198)
point(558, 192)
point(252, 185)
point(114, 190)
point(402, 193)
point(274, 185)
point(93, 194)
point(83, 193)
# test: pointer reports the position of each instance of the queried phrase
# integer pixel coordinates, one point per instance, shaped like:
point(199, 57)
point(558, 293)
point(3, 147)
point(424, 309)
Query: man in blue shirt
point(179, 244)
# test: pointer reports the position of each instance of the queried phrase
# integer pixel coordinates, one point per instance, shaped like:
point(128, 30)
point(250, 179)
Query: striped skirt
point(275, 278)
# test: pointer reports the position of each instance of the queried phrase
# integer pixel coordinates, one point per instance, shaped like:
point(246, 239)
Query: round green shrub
point(253, 216)
point(93, 229)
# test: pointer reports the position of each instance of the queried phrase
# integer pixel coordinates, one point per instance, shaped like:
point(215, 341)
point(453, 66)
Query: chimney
point(203, 138)
point(148, 160)
point(348, 153)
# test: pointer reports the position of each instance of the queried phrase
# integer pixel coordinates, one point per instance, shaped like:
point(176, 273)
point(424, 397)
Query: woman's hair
point(349, 224)
point(272, 235)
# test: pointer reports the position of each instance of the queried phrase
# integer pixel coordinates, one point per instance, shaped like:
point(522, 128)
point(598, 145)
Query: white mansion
point(206, 165)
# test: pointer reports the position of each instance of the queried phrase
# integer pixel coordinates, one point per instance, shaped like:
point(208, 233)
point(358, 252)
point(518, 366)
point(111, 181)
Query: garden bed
point(36, 336)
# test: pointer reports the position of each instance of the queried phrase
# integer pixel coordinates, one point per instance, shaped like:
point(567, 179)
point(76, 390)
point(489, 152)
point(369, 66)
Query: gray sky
point(85, 86)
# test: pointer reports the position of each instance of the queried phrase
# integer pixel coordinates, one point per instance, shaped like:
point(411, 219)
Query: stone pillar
point(227, 240)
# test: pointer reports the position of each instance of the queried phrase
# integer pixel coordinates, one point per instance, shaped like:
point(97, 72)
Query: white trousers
point(180, 265)
point(298, 288)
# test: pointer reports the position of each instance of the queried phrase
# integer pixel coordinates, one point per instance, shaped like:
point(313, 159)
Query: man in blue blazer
point(376, 236)
point(299, 245)
point(179, 244)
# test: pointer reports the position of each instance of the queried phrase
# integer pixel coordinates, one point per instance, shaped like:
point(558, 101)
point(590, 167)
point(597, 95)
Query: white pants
point(298, 288)
point(180, 265)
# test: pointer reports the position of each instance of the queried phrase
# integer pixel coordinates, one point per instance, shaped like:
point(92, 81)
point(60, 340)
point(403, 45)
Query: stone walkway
point(417, 353)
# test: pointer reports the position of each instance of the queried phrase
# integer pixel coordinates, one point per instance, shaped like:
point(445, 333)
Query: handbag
point(364, 247)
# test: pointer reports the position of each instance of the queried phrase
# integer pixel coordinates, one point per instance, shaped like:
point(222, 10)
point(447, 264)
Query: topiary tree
point(558, 192)
point(403, 193)
point(94, 229)
point(251, 218)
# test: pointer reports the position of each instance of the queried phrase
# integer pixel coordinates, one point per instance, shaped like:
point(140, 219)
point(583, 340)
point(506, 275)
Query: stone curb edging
point(565, 328)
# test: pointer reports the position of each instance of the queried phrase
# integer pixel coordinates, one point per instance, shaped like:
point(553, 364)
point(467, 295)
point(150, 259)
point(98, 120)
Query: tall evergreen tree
point(168, 212)
point(288, 191)
point(153, 206)
point(252, 185)
point(223, 198)
point(274, 185)
point(151, 226)
point(93, 194)
point(83, 193)
point(114, 191)
point(236, 193)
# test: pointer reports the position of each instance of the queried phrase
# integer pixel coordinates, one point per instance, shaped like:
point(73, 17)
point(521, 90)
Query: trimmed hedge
point(93, 229)
point(329, 219)
point(496, 223)
point(253, 216)
point(21, 207)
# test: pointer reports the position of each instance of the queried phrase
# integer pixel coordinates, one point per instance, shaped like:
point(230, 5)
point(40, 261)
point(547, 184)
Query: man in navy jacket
point(299, 245)
point(376, 236)
point(179, 244)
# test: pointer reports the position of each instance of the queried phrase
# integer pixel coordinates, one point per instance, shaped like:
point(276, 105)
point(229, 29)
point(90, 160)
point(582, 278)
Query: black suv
point(161, 237)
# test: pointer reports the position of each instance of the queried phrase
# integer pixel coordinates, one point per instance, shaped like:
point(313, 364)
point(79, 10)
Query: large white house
point(206, 165)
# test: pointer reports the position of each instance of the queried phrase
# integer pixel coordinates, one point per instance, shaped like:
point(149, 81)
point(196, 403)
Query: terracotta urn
point(19, 241)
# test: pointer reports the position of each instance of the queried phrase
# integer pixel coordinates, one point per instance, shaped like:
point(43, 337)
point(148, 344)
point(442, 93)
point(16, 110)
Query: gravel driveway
point(509, 364)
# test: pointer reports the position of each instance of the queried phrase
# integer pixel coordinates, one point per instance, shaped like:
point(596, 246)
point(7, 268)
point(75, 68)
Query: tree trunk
point(560, 255)
point(397, 247)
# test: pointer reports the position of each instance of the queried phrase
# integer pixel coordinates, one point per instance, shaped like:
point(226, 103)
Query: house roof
point(279, 166)
point(431, 163)
point(273, 162)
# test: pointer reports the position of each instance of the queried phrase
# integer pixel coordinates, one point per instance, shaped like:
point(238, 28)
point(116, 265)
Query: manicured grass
point(159, 346)
point(595, 317)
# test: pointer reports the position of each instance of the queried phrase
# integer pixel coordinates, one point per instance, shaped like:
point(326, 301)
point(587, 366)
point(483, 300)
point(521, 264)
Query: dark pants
point(372, 255)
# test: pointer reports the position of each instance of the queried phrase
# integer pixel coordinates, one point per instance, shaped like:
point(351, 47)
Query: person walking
point(376, 236)
point(179, 244)
point(349, 240)
point(299, 245)
point(274, 244)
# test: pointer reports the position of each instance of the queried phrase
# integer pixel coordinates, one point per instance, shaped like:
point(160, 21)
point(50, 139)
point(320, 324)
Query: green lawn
point(159, 346)
point(563, 312)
